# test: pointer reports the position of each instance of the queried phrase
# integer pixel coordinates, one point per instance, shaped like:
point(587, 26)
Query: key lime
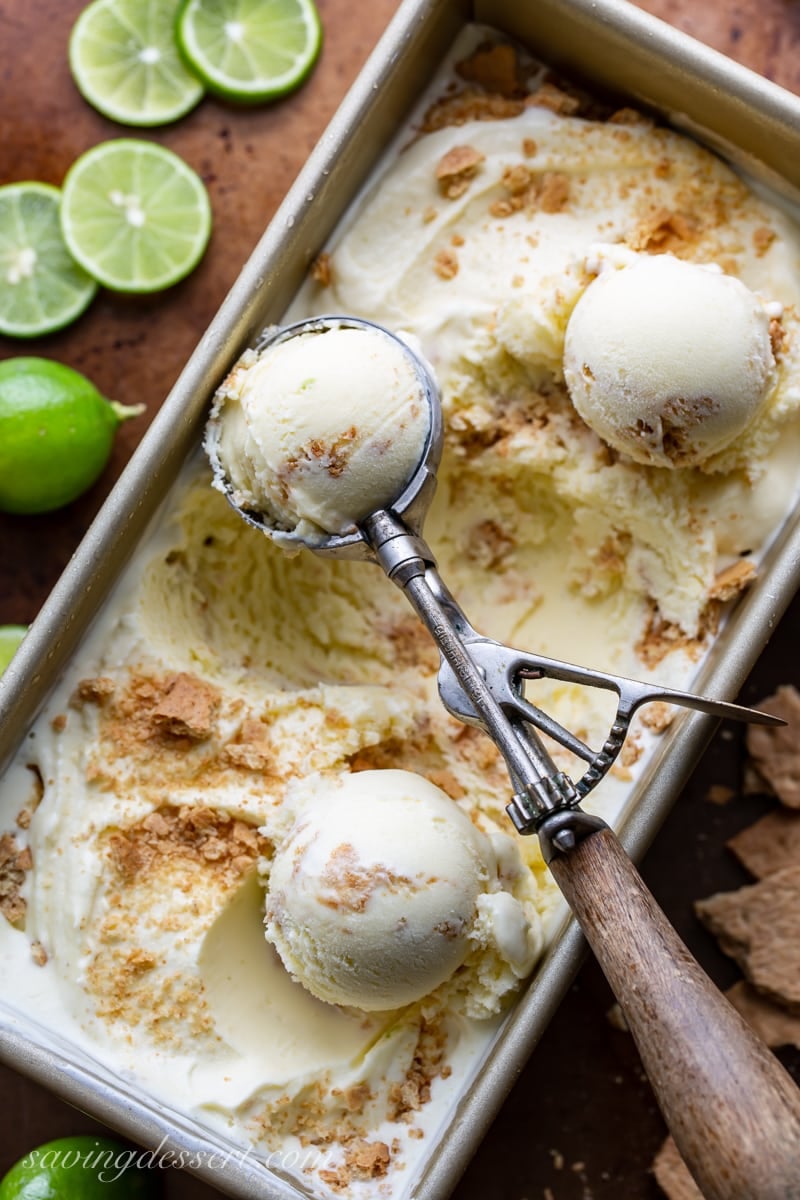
point(78, 1168)
point(42, 288)
point(124, 59)
point(56, 434)
point(250, 50)
point(10, 638)
point(134, 215)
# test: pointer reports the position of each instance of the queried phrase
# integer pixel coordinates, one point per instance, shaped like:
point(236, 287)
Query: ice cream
point(228, 687)
point(321, 430)
point(374, 898)
point(668, 361)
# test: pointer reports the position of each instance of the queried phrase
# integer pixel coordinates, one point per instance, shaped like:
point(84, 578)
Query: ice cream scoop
point(317, 430)
point(668, 361)
point(373, 899)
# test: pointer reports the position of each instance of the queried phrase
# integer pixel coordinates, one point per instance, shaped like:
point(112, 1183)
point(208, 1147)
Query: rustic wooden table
point(580, 1123)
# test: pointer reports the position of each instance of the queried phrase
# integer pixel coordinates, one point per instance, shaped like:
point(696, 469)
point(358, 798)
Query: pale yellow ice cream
point(321, 430)
point(374, 898)
point(668, 361)
point(226, 681)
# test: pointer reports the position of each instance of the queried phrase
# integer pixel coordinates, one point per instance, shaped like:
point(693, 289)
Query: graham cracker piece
point(759, 926)
point(188, 708)
point(770, 845)
point(773, 1024)
point(776, 750)
point(672, 1174)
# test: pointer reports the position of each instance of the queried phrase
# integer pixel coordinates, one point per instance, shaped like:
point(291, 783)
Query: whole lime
point(56, 434)
point(10, 638)
point(77, 1168)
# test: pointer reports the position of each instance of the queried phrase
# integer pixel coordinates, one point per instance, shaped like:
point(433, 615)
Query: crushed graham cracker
point(663, 232)
point(92, 691)
point(733, 580)
point(322, 269)
point(494, 68)
point(220, 842)
point(662, 637)
point(445, 264)
point(456, 169)
point(554, 98)
point(187, 708)
point(15, 862)
point(763, 237)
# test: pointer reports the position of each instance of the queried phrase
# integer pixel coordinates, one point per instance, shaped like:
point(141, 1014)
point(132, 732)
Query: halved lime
point(134, 215)
point(250, 50)
point(42, 288)
point(10, 638)
point(123, 58)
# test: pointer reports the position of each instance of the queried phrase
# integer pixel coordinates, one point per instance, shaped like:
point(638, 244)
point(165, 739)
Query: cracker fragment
point(770, 845)
point(672, 1174)
point(188, 708)
point(456, 169)
point(759, 926)
point(776, 751)
point(733, 580)
point(493, 68)
point(776, 1026)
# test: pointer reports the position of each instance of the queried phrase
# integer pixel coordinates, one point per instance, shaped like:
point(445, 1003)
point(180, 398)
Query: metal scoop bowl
point(733, 1111)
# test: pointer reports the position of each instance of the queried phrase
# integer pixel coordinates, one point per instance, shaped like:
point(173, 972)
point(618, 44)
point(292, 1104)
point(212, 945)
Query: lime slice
point(123, 58)
point(41, 287)
point(250, 50)
point(10, 638)
point(134, 215)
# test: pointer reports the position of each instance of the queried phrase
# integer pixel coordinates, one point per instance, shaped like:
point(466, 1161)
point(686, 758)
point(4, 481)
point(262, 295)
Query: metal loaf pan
point(607, 44)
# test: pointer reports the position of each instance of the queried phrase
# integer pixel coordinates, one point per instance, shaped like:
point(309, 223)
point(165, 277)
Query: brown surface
point(581, 1121)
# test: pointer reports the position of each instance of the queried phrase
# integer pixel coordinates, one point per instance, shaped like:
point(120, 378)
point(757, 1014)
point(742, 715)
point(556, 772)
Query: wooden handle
point(732, 1109)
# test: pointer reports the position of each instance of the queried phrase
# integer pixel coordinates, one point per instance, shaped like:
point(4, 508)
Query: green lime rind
point(10, 638)
point(250, 50)
point(56, 434)
point(42, 287)
point(79, 1168)
point(125, 63)
point(135, 215)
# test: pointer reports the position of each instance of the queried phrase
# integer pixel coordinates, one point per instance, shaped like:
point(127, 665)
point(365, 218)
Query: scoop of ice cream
point(668, 361)
point(380, 892)
point(322, 429)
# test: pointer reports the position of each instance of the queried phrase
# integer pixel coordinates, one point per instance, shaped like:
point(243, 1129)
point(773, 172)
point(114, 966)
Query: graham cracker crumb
point(554, 192)
point(627, 116)
point(445, 264)
point(733, 580)
point(529, 147)
point(322, 269)
point(657, 716)
point(38, 954)
point(92, 691)
point(429, 214)
point(661, 637)
point(467, 106)
point(663, 232)
point(456, 170)
point(552, 97)
point(367, 1160)
point(204, 835)
point(763, 237)
point(719, 794)
point(493, 68)
point(778, 336)
point(59, 723)
point(188, 708)
point(15, 861)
